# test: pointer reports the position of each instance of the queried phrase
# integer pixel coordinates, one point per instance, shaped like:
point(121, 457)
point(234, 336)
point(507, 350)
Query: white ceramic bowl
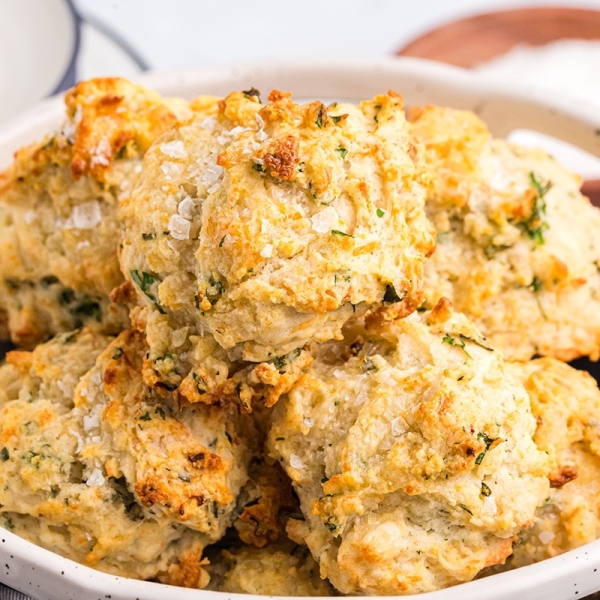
point(46, 576)
point(39, 42)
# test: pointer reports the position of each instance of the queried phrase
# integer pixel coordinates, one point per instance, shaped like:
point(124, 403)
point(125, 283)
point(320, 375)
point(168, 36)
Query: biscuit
point(59, 231)
point(410, 447)
point(268, 226)
point(566, 404)
point(518, 246)
point(105, 472)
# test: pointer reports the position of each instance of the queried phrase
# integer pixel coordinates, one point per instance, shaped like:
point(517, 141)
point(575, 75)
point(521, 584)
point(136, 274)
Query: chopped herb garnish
point(448, 339)
point(331, 526)
point(337, 118)
point(184, 477)
point(536, 284)
point(465, 509)
point(391, 295)
point(89, 308)
point(148, 236)
point(343, 152)
point(214, 292)
point(251, 92)
point(380, 212)
point(159, 410)
point(222, 241)
point(319, 120)
point(200, 385)
point(542, 190)
point(488, 442)
point(144, 281)
point(341, 233)
point(4, 455)
point(257, 167)
point(146, 417)
point(368, 365)
point(48, 144)
point(336, 403)
point(485, 490)
point(279, 439)
point(536, 224)
point(117, 353)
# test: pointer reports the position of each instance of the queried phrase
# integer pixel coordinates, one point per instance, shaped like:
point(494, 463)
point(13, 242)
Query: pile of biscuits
point(295, 349)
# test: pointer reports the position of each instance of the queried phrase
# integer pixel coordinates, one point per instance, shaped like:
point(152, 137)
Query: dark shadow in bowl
point(583, 364)
point(4, 348)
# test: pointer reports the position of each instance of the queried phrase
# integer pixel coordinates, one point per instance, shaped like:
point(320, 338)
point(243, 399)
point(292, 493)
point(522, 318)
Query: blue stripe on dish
point(70, 76)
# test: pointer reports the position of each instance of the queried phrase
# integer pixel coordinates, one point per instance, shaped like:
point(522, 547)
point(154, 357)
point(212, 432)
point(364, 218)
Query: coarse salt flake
point(79, 439)
point(236, 131)
point(308, 422)
point(174, 149)
point(179, 227)
point(101, 154)
point(84, 216)
point(296, 461)
point(170, 169)
point(323, 221)
point(92, 421)
point(211, 175)
point(95, 479)
point(186, 208)
point(209, 124)
point(399, 426)
point(267, 251)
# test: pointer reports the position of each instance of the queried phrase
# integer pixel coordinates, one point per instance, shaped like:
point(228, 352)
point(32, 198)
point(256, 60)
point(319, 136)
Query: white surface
point(49, 577)
point(195, 33)
point(102, 57)
point(36, 44)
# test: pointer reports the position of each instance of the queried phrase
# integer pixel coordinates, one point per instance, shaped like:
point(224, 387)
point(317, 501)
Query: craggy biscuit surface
point(566, 404)
point(518, 249)
point(411, 450)
point(269, 226)
point(277, 570)
point(102, 470)
point(59, 231)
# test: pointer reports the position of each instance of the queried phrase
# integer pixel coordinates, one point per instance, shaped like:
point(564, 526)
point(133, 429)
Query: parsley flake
point(341, 233)
point(319, 120)
point(343, 152)
point(451, 341)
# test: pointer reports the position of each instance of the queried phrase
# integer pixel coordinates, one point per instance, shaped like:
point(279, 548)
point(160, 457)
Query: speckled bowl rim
point(47, 576)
